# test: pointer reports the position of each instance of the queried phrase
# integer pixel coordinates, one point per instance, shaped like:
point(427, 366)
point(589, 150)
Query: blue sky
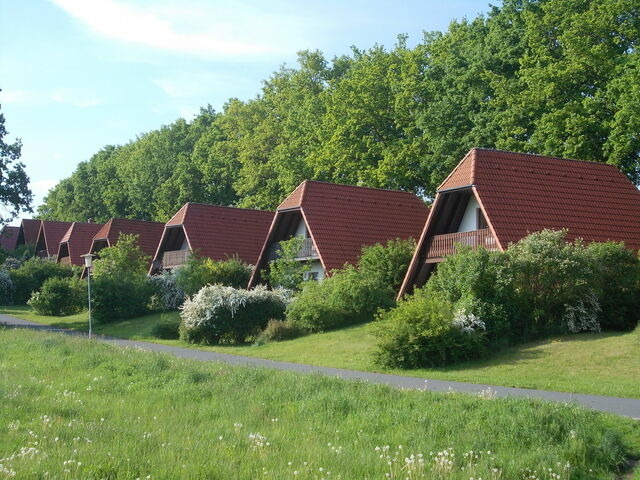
point(80, 74)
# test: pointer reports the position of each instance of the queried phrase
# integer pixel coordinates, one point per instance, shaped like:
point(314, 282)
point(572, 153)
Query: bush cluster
point(278, 330)
point(60, 297)
point(219, 313)
point(541, 286)
point(32, 274)
point(354, 294)
point(199, 271)
point(7, 288)
point(119, 297)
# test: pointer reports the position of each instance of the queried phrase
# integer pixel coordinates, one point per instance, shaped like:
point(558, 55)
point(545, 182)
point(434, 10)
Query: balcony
point(442, 245)
point(307, 251)
point(65, 261)
point(174, 258)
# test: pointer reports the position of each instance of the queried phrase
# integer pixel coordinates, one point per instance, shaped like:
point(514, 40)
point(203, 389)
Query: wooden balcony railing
point(65, 261)
point(174, 258)
point(307, 251)
point(442, 245)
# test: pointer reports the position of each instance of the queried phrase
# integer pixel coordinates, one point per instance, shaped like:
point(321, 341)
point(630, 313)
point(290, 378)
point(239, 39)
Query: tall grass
point(71, 408)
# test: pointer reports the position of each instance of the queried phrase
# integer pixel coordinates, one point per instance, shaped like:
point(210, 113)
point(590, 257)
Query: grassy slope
point(600, 364)
point(103, 412)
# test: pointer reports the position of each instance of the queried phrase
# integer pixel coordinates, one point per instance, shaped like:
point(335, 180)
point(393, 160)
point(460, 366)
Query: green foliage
point(389, 262)
point(219, 313)
point(424, 331)
point(30, 277)
point(286, 271)
point(200, 271)
point(278, 330)
point(548, 274)
point(123, 258)
point(119, 296)
point(60, 297)
point(347, 297)
point(15, 195)
point(616, 277)
point(541, 285)
point(555, 77)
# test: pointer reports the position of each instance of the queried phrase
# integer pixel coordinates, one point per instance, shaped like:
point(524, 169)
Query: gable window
point(481, 222)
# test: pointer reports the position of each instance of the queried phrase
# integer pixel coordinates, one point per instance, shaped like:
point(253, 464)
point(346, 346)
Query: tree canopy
point(15, 195)
point(554, 77)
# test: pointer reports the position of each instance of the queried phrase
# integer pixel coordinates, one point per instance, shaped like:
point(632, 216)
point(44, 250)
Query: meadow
point(74, 408)
point(594, 363)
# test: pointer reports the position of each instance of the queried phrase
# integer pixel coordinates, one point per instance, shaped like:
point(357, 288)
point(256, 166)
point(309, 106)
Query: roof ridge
point(218, 206)
point(540, 155)
point(358, 186)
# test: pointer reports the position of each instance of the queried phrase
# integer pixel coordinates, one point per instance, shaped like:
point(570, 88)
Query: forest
point(553, 77)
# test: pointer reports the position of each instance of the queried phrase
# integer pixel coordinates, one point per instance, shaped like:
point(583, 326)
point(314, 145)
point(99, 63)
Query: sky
point(77, 75)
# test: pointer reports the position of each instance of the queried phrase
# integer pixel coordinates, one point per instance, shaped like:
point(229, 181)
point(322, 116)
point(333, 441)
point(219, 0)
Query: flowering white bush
point(582, 316)
point(7, 288)
point(167, 294)
point(468, 322)
point(218, 312)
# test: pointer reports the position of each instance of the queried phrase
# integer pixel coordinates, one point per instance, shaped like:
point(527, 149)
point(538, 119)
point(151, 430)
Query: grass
point(73, 408)
point(595, 363)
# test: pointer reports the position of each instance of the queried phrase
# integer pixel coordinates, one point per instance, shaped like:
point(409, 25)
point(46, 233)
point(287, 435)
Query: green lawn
point(73, 408)
point(598, 363)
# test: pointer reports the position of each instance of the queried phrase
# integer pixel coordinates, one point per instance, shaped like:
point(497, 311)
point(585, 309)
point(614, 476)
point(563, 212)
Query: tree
point(15, 194)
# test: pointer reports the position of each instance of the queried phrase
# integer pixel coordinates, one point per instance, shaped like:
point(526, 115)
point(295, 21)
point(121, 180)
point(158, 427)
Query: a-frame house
point(336, 221)
point(9, 238)
point(49, 236)
point(211, 231)
point(493, 198)
point(76, 242)
point(29, 230)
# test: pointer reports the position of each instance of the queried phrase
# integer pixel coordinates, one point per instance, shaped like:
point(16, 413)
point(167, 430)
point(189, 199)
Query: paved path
point(622, 406)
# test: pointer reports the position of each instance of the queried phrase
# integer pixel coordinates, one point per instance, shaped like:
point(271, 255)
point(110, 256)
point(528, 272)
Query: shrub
point(168, 328)
point(479, 282)
point(219, 313)
point(125, 257)
point(547, 274)
point(30, 277)
point(167, 296)
point(60, 297)
point(346, 298)
point(286, 271)
point(389, 261)
point(118, 297)
point(616, 273)
point(6, 288)
point(425, 331)
point(200, 271)
point(278, 330)
point(11, 263)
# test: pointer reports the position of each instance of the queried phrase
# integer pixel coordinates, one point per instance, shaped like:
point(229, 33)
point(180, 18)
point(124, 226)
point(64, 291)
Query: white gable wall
point(469, 220)
point(301, 231)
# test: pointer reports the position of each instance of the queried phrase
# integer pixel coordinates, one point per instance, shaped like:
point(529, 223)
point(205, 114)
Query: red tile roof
point(50, 235)
point(29, 230)
point(149, 233)
point(77, 239)
point(344, 218)
point(9, 237)
point(524, 193)
point(219, 232)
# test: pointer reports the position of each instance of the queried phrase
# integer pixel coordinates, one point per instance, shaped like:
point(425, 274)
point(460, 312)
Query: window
point(481, 222)
point(312, 276)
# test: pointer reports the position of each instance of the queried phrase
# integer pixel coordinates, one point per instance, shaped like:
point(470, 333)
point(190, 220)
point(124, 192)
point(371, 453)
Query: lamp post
point(88, 263)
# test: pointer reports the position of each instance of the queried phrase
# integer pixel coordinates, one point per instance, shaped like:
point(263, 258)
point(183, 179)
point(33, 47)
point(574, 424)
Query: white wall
point(316, 267)
point(301, 231)
point(469, 220)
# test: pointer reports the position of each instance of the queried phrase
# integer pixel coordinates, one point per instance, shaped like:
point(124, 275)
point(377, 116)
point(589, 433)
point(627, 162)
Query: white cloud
point(201, 29)
point(187, 112)
point(67, 97)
